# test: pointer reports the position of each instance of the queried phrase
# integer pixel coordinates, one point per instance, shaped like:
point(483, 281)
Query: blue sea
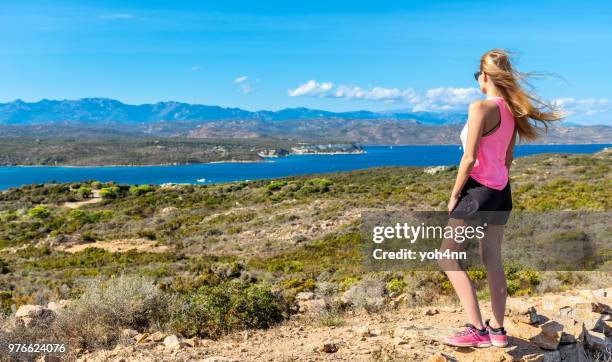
point(14, 176)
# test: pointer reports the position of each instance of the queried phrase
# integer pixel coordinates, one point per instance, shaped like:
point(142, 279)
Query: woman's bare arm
point(476, 121)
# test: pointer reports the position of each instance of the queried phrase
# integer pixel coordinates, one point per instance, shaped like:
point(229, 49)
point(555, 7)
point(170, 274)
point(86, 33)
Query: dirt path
point(75, 204)
point(119, 245)
point(402, 334)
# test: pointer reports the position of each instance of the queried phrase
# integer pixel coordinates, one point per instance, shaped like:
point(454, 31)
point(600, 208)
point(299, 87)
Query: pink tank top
point(490, 167)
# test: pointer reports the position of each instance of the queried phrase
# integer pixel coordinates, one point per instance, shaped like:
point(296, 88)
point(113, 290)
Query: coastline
point(271, 159)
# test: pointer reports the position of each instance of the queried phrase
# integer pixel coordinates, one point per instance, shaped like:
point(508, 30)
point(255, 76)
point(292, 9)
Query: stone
point(312, 305)
point(192, 342)
point(141, 338)
point(571, 330)
point(218, 359)
point(34, 315)
point(157, 337)
point(482, 354)
point(435, 169)
point(549, 337)
point(172, 341)
point(430, 312)
point(330, 347)
point(553, 356)
point(533, 358)
point(304, 296)
point(595, 340)
point(601, 308)
point(438, 357)
point(521, 311)
point(362, 331)
point(129, 333)
point(521, 330)
point(573, 352)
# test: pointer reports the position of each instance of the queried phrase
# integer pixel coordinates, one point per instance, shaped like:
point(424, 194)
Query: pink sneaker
point(470, 337)
point(498, 335)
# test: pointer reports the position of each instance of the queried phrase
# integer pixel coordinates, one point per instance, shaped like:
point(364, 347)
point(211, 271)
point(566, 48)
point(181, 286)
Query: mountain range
point(105, 110)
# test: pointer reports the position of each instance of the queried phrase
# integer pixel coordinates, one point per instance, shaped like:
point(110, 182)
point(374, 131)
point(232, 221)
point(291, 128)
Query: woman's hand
point(454, 200)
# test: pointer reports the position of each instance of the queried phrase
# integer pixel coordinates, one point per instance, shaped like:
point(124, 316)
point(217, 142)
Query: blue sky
point(335, 55)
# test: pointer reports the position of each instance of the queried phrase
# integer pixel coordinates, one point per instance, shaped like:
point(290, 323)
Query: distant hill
point(104, 110)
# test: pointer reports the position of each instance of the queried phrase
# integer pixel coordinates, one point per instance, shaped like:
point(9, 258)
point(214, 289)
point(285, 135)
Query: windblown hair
point(528, 109)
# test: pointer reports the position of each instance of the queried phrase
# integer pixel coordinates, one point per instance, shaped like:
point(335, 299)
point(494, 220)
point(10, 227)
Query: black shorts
point(481, 204)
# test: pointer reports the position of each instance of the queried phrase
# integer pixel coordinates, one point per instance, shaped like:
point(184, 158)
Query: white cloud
point(438, 99)
point(311, 89)
point(245, 88)
point(586, 110)
point(586, 106)
point(243, 82)
point(241, 79)
point(375, 93)
point(446, 99)
point(120, 16)
point(195, 68)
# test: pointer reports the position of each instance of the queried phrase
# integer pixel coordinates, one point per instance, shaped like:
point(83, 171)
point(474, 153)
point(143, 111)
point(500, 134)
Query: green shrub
point(141, 190)
point(276, 185)
point(109, 192)
point(39, 212)
point(396, 285)
point(84, 192)
point(213, 311)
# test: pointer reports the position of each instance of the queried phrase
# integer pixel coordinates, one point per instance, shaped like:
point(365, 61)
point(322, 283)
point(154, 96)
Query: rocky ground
point(573, 326)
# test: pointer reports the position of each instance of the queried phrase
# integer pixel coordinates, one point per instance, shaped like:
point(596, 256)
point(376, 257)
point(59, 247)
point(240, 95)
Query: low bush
point(212, 311)
point(108, 305)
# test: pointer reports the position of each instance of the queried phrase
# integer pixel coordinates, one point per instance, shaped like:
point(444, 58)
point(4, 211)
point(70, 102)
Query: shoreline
point(270, 159)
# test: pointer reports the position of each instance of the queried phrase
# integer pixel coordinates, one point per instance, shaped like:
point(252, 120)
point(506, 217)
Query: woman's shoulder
point(483, 106)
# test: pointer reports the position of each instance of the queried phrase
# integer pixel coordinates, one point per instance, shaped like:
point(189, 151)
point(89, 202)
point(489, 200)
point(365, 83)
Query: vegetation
point(135, 150)
point(237, 254)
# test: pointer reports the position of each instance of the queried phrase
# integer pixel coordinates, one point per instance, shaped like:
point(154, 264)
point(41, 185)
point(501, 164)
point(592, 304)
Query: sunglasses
point(477, 74)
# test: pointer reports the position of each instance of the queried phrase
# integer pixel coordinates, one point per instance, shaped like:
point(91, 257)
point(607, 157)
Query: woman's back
point(490, 167)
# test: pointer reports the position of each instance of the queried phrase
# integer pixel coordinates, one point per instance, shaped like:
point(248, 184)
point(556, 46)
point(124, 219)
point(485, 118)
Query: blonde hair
point(528, 109)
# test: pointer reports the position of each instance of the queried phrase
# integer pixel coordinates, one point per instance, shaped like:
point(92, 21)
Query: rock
point(330, 347)
point(218, 359)
point(129, 333)
point(549, 337)
point(553, 356)
point(430, 312)
point(172, 341)
point(35, 315)
point(435, 169)
point(571, 330)
point(533, 358)
point(599, 307)
point(141, 338)
point(367, 293)
point(192, 342)
point(483, 354)
point(573, 353)
point(521, 330)
point(604, 327)
point(156, 337)
point(304, 296)
point(312, 305)
point(438, 357)
point(595, 340)
point(521, 311)
point(362, 331)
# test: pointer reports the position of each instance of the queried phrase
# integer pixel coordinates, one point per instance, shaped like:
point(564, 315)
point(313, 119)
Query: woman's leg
point(490, 252)
point(460, 280)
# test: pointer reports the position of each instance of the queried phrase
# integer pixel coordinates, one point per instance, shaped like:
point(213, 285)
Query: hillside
point(149, 151)
point(174, 250)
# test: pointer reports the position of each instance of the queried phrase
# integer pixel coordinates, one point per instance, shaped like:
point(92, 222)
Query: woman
point(482, 187)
